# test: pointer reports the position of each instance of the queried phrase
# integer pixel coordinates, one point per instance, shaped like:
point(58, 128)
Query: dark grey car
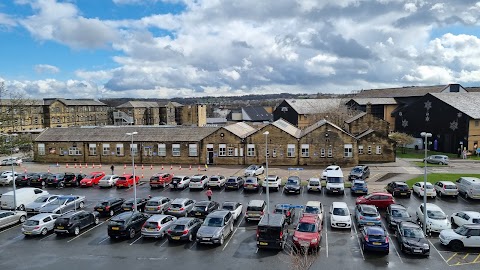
point(216, 227)
point(184, 229)
point(359, 172)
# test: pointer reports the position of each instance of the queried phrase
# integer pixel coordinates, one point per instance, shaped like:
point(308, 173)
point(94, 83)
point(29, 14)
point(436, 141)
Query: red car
point(308, 233)
point(126, 180)
point(160, 180)
point(379, 199)
point(92, 179)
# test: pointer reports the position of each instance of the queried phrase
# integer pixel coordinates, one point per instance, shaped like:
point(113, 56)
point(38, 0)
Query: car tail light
point(257, 232)
point(107, 208)
point(281, 234)
point(378, 218)
point(255, 185)
point(261, 213)
point(366, 238)
point(185, 232)
point(169, 231)
point(169, 208)
point(246, 213)
point(183, 208)
point(37, 227)
point(386, 239)
point(159, 207)
point(143, 226)
point(421, 189)
point(361, 217)
point(158, 227)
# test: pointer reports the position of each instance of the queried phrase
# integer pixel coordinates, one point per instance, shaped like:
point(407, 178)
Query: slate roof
point(409, 91)
point(139, 104)
point(26, 102)
point(75, 102)
point(257, 113)
point(358, 116)
point(365, 133)
point(374, 101)
point(117, 134)
point(319, 124)
point(287, 127)
point(466, 103)
point(313, 106)
point(240, 129)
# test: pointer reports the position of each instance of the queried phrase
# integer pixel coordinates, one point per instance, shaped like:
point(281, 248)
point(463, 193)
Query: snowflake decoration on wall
point(454, 125)
point(427, 118)
point(404, 123)
point(459, 114)
point(428, 105)
point(400, 114)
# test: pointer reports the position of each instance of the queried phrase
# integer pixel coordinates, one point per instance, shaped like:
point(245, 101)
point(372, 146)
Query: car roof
point(252, 178)
point(202, 203)
point(71, 214)
point(40, 216)
point(400, 183)
point(421, 183)
point(218, 213)
point(397, 206)
point(447, 182)
point(198, 175)
point(123, 215)
point(333, 167)
point(472, 226)
point(157, 198)
point(314, 179)
point(157, 217)
point(313, 203)
point(381, 193)
point(410, 224)
point(471, 213)
point(309, 219)
point(339, 205)
point(180, 200)
point(256, 203)
point(272, 219)
point(283, 206)
point(359, 181)
point(375, 230)
point(431, 206)
point(179, 176)
point(183, 220)
point(368, 208)
point(230, 203)
point(67, 197)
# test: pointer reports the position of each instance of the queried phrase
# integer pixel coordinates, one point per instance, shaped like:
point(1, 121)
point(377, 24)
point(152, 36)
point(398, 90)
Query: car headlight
point(217, 234)
point(314, 241)
point(426, 246)
point(199, 235)
point(295, 238)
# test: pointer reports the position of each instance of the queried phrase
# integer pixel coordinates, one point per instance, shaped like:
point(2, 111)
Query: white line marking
point(391, 241)
point(106, 238)
point(462, 198)
point(256, 251)
point(326, 236)
point(165, 238)
point(48, 236)
point(358, 240)
point(141, 236)
point(261, 191)
point(11, 228)
point(165, 189)
point(231, 236)
point(242, 191)
point(21, 235)
point(88, 230)
point(437, 251)
point(194, 243)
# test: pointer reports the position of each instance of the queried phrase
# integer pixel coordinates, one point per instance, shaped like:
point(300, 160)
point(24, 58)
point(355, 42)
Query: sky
point(192, 48)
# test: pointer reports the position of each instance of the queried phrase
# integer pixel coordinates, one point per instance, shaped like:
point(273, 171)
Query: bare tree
point(401, 139)
point(335, 114)
point(301, 258)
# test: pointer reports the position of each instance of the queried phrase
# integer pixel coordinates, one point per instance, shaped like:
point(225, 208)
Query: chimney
point(369, 108)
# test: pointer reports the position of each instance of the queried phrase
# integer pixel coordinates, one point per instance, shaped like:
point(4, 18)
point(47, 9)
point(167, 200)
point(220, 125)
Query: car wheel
point(222, 239)
point(76, 231)
point(456, 245)
point(96, 220)
point(61, 185)
point(22, 219)
point(394, 194)
point(190, 237)
point(466, 195)
point(131, 233)
point(112, 213)
point(44, 231)
point(81, 204)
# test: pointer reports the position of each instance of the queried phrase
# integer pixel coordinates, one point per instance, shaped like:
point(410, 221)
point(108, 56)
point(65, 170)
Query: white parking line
point(242, 191)
point(261, 191)
point(256, 251)
point(48, 236)
point(165, 240)
point(194, 243)
point(358, 240)
point(462, 198)
point(391, 241)
point(231, 236)
point(165, 189)
point(11, 228)
point(326, 235)
point(21, 235)
point(141, 236)
point(106, 238)
point(431, 244)
point(88, 230)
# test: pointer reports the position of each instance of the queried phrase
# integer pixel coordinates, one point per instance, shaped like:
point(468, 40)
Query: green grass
point(412, 153)
point(435, 177)
point(421, 164)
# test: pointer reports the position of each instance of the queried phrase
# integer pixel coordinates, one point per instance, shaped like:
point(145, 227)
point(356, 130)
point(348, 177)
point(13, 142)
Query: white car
point(467, 235)
point(314, 208)
point(274, 182)
point(465, 217)
point(39, 224)
point(108, 180)
point(181, 181)
point(217, 181)
point(235, 208)
point(11, 161)
point(436, 218)
point(6, 177)
point(340, 215)
point(314, 185)
point(446, 188)
point(198, 181)
point(8, 218)
point(420, 191)
point(329, 168)
point(254, 170)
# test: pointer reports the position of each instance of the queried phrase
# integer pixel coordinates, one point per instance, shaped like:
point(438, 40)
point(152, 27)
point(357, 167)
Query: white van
point(335, 183)
point(24, 196)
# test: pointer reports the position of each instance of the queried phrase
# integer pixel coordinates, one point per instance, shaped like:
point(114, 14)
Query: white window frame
point(133, 149)
point(348, 150)
point(74, 151)
point(329, 152)
point(378, 150)
point(222, 150)
point(192, 150)
point(250, 150)
point(305, 152)
point(369, 149)
point(274, 152)
point(290, 150)
point(41, 149)
point(322, 152)
point(92, 149)
point(119, 149)
point(148, 151)
point(162, 150)
point(230, 151)
point(360, 149)
point(106, 149)
point(176, 151)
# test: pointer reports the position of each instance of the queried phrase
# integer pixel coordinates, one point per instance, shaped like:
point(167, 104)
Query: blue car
point(367, 215)
point(359, 187)
point(374, 238)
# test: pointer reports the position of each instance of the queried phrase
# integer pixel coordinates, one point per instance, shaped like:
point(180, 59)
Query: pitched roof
point(75, 102)
point(313, 106)
point(358, 116)
point(408, 91)
point(257, 113)
point(21, 102)
point(287, 127)
point(319, 124)
point(118, 134)
point(139, 104)
point(374, 101)
point(240, 129)
point(365, 133)
point(466, 103)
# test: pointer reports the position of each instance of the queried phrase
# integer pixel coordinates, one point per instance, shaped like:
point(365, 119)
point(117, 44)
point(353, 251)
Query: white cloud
point(232, 74)
point(43, 68)
point(410, 7)
point(430, 75)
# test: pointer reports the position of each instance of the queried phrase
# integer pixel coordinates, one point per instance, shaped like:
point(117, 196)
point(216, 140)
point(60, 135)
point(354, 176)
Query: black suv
point(109, 206)
point(73, 222)
point(399, 189)
point(128, 204)
point(359, 172)
point(126, 224)
point(272, 231)
point(70, 179)
point(202, 208)
point(56, 180)
point(292, 185)
point(39, 179)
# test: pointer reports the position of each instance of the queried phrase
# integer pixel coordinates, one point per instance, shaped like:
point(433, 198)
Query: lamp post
point(133, 168)
point(8, 139)
point(266, 173)
point(426, 136)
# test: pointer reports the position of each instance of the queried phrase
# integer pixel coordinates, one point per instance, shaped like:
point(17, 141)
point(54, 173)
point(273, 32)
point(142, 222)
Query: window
point(92, 149)
point(74, 151)
point(41, 149)
point(274, 152)
point(147, 151)
point(379, 150)
point(192, 150)
point(222, 150)
point(230, 151)
point(119, 149)
point(176, 150)
point(133, 149)
point(305, 150)
point(162, 150)
point(348, 150)
point(360, 149)
point(330, 152)
point(477, 123)
point(250, 150)
point(106, 149)
point(369, 149)
point(291, 150)
point(60, 151)
point(322, 152)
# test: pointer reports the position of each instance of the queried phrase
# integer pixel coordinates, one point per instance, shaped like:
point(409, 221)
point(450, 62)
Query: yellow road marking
point(478, 257)
point(466, 255)
point(451, 257)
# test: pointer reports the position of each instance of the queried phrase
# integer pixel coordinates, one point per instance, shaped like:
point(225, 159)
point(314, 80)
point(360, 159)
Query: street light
point(133, 168)
point(266, 173)
point(13, 175)
point(426, 136)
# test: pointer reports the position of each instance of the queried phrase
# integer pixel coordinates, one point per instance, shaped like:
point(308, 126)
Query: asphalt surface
point(340, 249)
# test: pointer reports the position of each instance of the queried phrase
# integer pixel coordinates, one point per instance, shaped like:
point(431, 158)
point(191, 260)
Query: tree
point(298, 259)
point(401, 139)
point(336, 115)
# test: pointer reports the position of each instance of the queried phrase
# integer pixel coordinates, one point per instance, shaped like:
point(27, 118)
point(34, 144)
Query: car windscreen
point(174, 205)
point(100, 204)
point(252, 167)
point(153, 203)
point(292, 182)
point(31, 222)
point(151, 225)
point(429, 186)
point(356, 170)
point(461, 230)
point(176, 179)
point(434, 214)
point(117, 222)
point(251, 181)
point(195, 179)
point(399, 213)
point(312, 210)
point(199, 208)
point(41, 199)
point(213, 222)
point(340, 212)
point(314, 183)
point(228, 207)
point(476, 220)
point(155, 178)
point(59, 201)
point(121, 178)
point(231, 180)
point(334, 180)
point(254, 208)
point(413, 233)
point(214, 179)
point(359, 185)
point(178, 227)
point(369, 214)
point(306, 227)
point(450, 187)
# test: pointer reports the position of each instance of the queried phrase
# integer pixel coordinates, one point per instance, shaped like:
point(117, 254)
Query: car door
point(472, 239)
point(84, 219)
point(416, 188)
point(438, 186)
point(390, 187)
point(3, 220)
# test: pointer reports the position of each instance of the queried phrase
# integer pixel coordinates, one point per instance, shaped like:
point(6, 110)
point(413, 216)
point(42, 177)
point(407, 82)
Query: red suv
point(308, 233)
point(92, 179)
point(160, 180)
point(379, 199)
point(126, 180)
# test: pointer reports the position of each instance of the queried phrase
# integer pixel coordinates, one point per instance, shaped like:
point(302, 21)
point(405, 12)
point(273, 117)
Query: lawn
point(421, 164)
point(412, 153)
point(435, 177)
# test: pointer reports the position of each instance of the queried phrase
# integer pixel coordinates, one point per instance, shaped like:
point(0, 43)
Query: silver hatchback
point(157, 225)
point(39, 224)
point(157, 205)
point(180, 207)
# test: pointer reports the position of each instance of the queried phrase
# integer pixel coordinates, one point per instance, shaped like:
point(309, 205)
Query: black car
point(287, 210)
point(411, 239)
point(395, 214)
point(202, 208)
point(292, 185)
point(109, 206)
point(126, 224)
point(272, 232)
point(39, 179)
point(23, 180)
point(184, 229)
point(234, 182)
point(128, 204)
point(399, 188)
point(70, 180)
point(73, 222)
point(359, 172)
point(56, 180)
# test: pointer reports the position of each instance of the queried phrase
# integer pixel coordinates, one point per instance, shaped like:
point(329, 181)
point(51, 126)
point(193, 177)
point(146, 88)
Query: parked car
point(64, 204)
point(255, 210)
point(465, 217)
point(80, 177)
point(398, 188)
point(235, 208)
point(16, 161)
point(184, 229)
point(92, 179)
point(287, 210)
point(469, 187)
point(467, 235)
point(56, 180)
point(22, 197)
point(252, 183)
point(109, 180)
point(70, 180)
point(421, 190)
point(395, 214)
point(359, 172)
point(127, 181)
point(180, 207)
point(292, 185)
point(180, 182)
point(6, 178)
point(161, 180)
point(330, 168)
point(437, 159)
point(157, 226)
point(128, 205)
point(198, 181)
point(39, 224)
point(379, 199)
point(359, 187)
point(272, 232)
point(374, 238)
point(340, 215)
point(216, 227)
point(8, 218)
point(234, 182)
point(274, 182)
point(157, 205)
point(314, 185)
point(367, 215)
point(446, 188)
point(74, 222)
point(335, 183)
point(126, 224)
point(39, 179)
point(109, 206)
point(35, 206)
point(217, 181)
point(314, 208)
point(202, 208)
point(308, 233)
point(254, 170)
point(436, 218)
point(411, 239)
point(23, 180)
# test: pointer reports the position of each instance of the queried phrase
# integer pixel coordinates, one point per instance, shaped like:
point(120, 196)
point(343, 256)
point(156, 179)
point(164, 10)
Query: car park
point(39, 224)
point(126, 224)
point(314, 208)
point(74, 222)
point(70, 180)
point(411, 239)
point(161, 180)
point(374, 238)
point(286, 209)
point(198, 181)
point(23, 180)
point(16, 161)
point(255, 210)
point(396, 213)
point(8, 218)
point(216, 227)
point(56, 180)
point(180, 207)
point(64, 204)
point(109, 206)
point(340, 215)
point(469, 187)
point(127, 180)
point(234, 182)
point(109, 180)
point(202, 208)
point(128, 205)
point(314, 185)
point(367, 215)
point(252, 183)
point(379, 199)
point(92, 179)
point(39, 179)
point(436, 218)
point(359, 172)
point(157, 226)
point(35, 206)
point(446, 188)
point(421, 190)
point(6, 178)
point(398, 188)
point(465, 217)
point(292, 185)
point(180, 182)
point(23, 197)
point(184, 229)
point(467, 235)
point(307, 234)
point(272, 232)
point(254, 170)
point(437, 159)
point(335, 183)
point(216, 181)
point(359, 187)
point(235, 208)
point(330, 168)
point(157, 205)
point(274, 182)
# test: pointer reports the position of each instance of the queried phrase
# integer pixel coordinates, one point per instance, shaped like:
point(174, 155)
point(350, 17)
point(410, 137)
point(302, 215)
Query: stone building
point(304, 112)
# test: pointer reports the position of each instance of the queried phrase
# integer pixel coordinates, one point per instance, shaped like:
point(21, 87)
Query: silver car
point(180, 207)
point(157, 225)
point(437, 159)
point(108, 180)
point(216, 227)
point(34, 207)
point(157, 205)
point(8, 218)
point(64, 204)
point(39, 224)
